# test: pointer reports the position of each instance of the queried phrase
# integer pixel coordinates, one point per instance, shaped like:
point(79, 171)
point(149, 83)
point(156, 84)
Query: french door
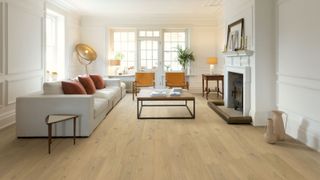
point(150, 58)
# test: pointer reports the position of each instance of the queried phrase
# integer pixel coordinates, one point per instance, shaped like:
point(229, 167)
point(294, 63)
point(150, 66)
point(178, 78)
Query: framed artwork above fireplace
point(235, 36)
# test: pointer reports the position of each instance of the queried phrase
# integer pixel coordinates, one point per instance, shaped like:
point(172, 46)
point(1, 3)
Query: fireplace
point(237, 88)
point(236, 82)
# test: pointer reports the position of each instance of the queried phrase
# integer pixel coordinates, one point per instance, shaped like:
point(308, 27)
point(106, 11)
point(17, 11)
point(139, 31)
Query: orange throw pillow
point(72, 87)
point(88, 84)
point(98, 81)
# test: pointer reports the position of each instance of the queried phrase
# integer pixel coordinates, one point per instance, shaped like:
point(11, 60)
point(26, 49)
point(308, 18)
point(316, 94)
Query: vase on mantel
point(269, 136)
point(278, 125)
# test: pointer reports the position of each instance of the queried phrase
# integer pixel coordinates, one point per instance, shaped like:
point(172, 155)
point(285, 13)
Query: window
point(147, 49)
point(149, 33)
point(55, 58)
point(173, 40)
point(124, 43)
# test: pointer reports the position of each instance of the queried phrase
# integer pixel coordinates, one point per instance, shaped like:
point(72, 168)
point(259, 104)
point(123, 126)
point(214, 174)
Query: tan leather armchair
point(142, 79)
point(176, 79)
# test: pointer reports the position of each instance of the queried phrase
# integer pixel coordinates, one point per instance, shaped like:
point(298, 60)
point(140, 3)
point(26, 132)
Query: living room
point(276, 59)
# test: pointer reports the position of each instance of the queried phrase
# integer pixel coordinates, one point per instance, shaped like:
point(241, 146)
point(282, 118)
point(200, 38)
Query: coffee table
point(145, 95)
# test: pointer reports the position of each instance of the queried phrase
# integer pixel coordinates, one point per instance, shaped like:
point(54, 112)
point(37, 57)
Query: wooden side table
point(55, 118)
point(212, 77)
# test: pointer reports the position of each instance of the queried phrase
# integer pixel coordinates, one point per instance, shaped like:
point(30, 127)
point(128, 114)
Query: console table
point(212, 77)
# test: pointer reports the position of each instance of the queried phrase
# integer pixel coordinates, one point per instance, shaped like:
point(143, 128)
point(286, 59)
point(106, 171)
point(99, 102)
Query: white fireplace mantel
point(238, 53)
point(238, 62)
point(238, 58)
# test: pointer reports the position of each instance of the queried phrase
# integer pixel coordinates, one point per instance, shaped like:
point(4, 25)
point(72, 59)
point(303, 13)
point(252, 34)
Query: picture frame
point(235, 36)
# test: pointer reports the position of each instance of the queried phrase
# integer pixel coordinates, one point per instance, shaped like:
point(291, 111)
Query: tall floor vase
point(269, 136)
point(278, 125)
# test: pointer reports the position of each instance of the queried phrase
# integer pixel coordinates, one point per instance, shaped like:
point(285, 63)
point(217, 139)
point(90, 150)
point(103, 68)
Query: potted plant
point(185, 56)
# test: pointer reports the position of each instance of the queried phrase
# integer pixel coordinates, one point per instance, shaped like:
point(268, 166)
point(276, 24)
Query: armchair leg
point(133, 85)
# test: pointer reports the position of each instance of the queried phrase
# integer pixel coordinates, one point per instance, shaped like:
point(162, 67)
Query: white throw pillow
point(51, 88)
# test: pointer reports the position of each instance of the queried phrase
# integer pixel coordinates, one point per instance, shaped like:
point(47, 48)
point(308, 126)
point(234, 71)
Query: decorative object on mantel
point(278, 124)
point(275, 128)
point(185, 56)
point(235, 37)
point(212, 61)
point(86, 55)
point(238, 53)
point(269, 136)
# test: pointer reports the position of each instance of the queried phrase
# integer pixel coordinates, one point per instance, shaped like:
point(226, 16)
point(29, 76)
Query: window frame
point(186, 31)
point(59, 60)
point(112, 43)
point(138, 38)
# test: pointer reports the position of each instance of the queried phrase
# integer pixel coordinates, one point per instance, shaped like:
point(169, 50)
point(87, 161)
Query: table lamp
point(115, 62)
point(212, 61)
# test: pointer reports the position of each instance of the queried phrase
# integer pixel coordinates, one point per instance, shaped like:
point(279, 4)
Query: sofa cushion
point(98, 81)
point(88, 84)
point(100, 105)
point(109, 95)
point(51, 88)
point(72, 87)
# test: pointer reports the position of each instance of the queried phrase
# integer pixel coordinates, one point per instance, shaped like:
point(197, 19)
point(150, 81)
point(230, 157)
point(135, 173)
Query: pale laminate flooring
point(125, 148)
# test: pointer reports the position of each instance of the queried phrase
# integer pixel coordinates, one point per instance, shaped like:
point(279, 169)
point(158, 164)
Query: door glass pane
point(149, 55)
point(156, 33)
point(149, 33)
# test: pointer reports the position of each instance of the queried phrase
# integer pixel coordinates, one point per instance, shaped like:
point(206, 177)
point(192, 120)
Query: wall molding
point(302, 128)
point(7, 119)
point(299, 81)
point(28, 6)
point(7, 82)
point(280, 2)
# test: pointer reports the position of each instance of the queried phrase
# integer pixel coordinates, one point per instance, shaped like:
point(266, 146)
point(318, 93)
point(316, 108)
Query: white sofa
point(32, 110)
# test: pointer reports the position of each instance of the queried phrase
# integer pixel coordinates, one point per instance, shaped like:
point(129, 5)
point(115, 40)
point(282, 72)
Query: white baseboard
point(303, 129)
point(7, 119)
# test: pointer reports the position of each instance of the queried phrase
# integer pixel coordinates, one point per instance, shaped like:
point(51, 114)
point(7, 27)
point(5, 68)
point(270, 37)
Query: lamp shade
point(212, 60)
point(86, 52)
point(115, 62)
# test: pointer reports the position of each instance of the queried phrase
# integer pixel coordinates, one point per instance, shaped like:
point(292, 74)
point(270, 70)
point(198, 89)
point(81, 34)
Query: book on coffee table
point(159, 93)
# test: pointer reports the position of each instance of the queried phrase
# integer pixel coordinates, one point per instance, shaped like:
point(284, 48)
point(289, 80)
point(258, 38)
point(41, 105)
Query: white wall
point(96, 37)
point(203, 39)
point(22, 47)
point(298, 68)
point(22, 57)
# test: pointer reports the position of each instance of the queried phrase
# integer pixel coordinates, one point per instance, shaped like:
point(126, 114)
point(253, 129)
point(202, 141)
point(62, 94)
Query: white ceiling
point(197, 8)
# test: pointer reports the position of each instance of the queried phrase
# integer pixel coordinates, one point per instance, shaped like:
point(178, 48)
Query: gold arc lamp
point(212, 61)
point(86, 55)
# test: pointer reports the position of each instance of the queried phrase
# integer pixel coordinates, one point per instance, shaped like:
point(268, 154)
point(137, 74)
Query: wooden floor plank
point(124, 148)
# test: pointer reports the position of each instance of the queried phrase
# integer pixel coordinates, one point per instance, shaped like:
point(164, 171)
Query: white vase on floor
point(278, 125)
point(269, 135)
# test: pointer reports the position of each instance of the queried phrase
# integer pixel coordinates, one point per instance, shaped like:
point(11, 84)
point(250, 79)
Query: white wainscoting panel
point(298, 66)
point(24, 41)
point(22, 53)
point(22, 87)
point(300, 98)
